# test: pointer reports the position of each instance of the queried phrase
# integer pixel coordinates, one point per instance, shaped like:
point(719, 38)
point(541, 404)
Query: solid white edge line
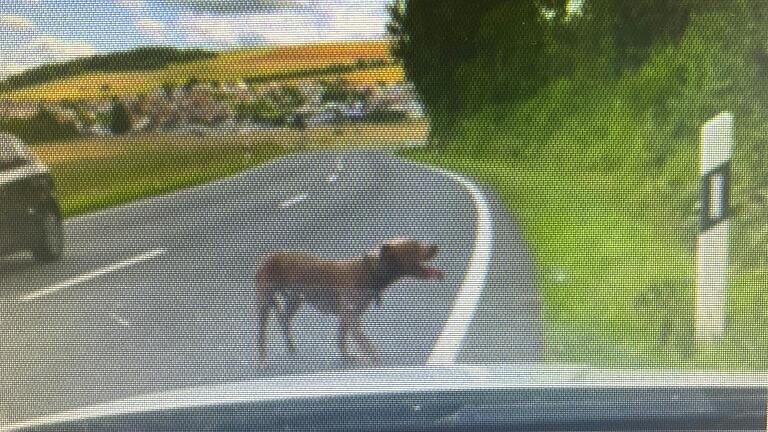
point(446, 348)
point(92, 275)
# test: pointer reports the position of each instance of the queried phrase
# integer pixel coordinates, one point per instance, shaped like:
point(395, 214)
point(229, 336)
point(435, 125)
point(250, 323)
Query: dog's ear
point(386, 250)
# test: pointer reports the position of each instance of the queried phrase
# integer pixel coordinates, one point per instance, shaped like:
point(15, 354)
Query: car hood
point(398, 381)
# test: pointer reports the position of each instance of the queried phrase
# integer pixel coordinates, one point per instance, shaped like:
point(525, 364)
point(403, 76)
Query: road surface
point(157, 295)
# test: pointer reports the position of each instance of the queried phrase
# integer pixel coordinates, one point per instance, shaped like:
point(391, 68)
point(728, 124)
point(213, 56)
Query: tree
point(169, 89)
point(120, 118)
point(443, 43)
point(635, 26)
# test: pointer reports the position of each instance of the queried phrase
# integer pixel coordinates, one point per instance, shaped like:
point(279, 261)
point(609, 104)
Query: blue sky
point(33, 32)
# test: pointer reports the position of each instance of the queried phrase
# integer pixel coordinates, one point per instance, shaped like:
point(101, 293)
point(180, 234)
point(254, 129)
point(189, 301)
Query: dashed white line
point(93, 275)
point(120, 320)
point(295, 200)
point(446, 349)
point(333, 178)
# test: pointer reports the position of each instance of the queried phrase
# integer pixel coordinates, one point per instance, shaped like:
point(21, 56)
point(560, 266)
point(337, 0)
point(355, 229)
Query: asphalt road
point(157, 295)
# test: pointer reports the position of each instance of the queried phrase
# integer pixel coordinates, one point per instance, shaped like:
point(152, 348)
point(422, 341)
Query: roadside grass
point(94, 174)
point(146, 169)
point(615, 272)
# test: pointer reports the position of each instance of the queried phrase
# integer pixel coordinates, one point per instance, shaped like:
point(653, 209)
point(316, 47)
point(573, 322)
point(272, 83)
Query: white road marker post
point(712, 253)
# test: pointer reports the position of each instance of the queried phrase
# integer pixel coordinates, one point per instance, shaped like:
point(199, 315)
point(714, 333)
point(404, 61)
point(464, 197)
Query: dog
point(287, 280)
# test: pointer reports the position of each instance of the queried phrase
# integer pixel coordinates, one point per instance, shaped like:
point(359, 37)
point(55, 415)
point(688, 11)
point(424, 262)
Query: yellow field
point(228, 66)
point(266, 61)
point(386, 74)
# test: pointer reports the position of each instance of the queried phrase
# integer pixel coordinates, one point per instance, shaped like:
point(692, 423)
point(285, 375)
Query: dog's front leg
point(344, 327)
point(364, 343)
point(264, 308)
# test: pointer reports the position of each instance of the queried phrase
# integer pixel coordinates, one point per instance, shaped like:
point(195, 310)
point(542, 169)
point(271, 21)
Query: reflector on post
point(712, 253)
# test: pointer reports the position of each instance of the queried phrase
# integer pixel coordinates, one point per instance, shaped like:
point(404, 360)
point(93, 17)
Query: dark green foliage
point(145, 58)
point(311, 72)
point(43, 127)
point(120, 119)
point(338, 91)
point(168, 89)
point(444, 45)
point(634, 26)
point(260, 110)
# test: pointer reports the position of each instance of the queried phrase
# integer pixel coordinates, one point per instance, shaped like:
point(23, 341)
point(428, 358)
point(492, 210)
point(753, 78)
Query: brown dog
point(285, 280)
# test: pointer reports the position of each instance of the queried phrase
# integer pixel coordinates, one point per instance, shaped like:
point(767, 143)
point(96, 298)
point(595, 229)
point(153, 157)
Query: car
point(446, 398)
point(30, 214)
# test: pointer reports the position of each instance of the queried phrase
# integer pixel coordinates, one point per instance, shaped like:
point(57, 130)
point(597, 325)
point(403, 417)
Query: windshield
point(244, 190)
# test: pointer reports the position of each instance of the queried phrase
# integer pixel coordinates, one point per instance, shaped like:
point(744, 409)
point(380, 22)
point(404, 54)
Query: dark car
point(30, 216)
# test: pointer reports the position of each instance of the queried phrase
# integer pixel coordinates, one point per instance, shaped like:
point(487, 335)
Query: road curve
point(157, 295)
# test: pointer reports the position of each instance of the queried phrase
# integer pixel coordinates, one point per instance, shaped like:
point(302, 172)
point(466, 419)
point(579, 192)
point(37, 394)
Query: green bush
point(43, 127)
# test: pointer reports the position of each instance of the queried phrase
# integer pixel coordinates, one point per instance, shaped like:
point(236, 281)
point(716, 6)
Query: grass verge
point(616, 279)
point(142, 169)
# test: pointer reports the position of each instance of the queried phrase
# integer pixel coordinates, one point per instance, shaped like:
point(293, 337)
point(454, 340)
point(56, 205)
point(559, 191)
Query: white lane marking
point(451, 338)
point(93, 275)
point(120, 320)
point(333, 178)
point(339, 164)
point(295, 200)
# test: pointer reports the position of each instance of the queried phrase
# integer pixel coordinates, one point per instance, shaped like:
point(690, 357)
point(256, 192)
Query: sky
point(33, 32)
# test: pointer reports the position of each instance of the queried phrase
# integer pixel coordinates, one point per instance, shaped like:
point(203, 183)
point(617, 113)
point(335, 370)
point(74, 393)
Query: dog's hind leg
point(364, 343)
point(264, 309)
point(290, 307)
point(344, 327)
point(264, 302)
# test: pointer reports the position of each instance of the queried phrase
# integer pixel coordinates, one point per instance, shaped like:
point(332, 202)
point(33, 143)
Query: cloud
point(259, 6)
point(276, 28)
point(8, 68)
point(152, 28)
point(15, 22)
point(52, 49)
point(37, 51)
point(135, 5)
point(211, 30)
point(335, 20)
point(241, 6)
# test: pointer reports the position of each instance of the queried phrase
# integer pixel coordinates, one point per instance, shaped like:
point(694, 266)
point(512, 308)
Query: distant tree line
point(145, 58)
point(360, 64)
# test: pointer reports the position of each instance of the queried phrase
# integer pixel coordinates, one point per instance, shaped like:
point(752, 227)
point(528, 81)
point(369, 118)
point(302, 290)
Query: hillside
point(355, 61)
point(139, 59)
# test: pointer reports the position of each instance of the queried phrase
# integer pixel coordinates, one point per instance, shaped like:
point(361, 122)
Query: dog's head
point(409, 258)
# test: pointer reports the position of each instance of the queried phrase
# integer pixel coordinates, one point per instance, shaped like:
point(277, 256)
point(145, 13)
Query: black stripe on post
point(708, 218)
